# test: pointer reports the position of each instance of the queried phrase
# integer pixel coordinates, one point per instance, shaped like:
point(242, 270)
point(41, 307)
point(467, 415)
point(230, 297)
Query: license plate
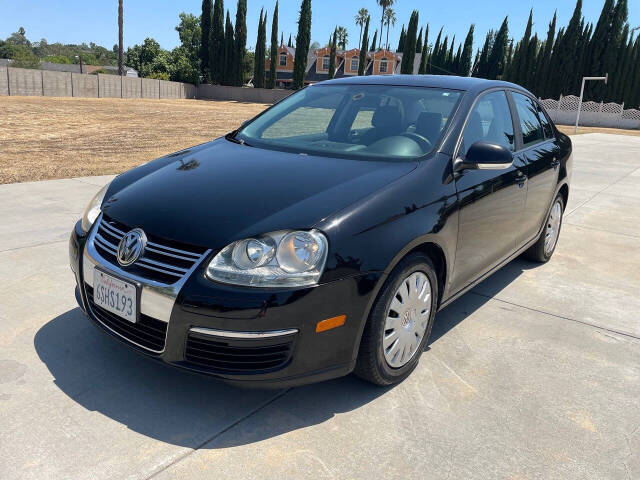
point(115, 295)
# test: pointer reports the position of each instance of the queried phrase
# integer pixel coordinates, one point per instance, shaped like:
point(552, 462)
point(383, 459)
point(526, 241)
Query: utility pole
point(584, 79)
point(79, 57)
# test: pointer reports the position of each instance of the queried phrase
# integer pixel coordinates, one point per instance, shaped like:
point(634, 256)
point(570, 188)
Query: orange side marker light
point(330, 323)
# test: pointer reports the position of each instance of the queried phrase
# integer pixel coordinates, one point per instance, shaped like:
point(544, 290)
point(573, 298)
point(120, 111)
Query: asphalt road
point(534, 374)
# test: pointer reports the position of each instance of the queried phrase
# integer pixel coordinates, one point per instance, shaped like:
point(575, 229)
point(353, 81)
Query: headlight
point(278, 259)
point(93, 209)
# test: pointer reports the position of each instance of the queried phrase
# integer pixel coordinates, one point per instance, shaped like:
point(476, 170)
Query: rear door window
point(530, 125)
point(546, 123)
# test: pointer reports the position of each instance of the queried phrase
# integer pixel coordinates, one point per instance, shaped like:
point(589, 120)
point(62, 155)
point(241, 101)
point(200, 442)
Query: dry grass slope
point(44, 137)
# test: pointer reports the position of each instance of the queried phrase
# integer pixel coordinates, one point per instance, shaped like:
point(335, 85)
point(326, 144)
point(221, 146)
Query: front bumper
point(250, 336)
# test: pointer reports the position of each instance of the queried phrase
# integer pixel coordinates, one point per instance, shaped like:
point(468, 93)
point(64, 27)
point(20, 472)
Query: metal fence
point(21, 81)
point(593, 114)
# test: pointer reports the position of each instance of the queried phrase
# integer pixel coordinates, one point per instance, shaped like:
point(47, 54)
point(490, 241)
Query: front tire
point(400, 322)
point(543, 249)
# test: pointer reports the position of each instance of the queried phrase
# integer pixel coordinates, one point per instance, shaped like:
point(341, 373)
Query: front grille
point(148, 332)
point(163, 260)
point(223, 355)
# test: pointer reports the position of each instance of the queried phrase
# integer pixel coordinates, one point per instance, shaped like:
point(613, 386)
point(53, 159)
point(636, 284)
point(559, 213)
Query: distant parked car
point(322, 236)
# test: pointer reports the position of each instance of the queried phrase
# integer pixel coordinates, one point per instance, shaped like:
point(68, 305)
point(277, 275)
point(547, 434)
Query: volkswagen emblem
point(131, 247)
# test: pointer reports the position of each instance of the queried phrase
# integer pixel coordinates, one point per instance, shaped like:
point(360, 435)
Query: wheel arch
point(564, 191)
point(426, 245)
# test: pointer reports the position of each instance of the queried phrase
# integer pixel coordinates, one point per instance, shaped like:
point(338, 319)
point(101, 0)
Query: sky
point(77, 21)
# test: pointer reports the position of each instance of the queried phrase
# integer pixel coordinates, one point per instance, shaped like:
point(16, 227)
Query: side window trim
point(514, 122)
point(519, 144)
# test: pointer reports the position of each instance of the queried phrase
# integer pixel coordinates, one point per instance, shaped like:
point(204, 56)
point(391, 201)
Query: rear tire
point(543, 249)
point(406, 330)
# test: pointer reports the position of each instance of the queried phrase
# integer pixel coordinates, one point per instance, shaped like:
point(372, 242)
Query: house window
point(325, 62)
point(283, 59)
point(383, 65)
point(354, 63)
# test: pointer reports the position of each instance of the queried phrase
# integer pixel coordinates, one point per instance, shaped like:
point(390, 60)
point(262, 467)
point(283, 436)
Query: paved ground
point(535, 374)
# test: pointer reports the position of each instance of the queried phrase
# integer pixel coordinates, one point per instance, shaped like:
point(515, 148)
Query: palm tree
point(120, 52)
point(361, 19)
point(342, 35)
point(385, 4)
point(389, 20)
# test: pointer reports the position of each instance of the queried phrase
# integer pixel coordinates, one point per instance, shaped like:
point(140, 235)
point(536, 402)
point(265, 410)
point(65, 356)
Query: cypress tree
point(433, 58)
point(409, 53)
point(364, 49)
point(456, 60)
point(612, 50)
point(205, 35)
point(422, 69)
point(464, 68)
point(442, 57)
point(374, 41)
point(476, 61)
point(508, 59)
point(622, 67)
point(425, 44)
point(541, 87)
point(424, 56)
point(523, 63)
point(498, 51)
point(216, 42)
point(632, 92)
point(599, 40)
point(483, 59)
point(582, 53)
point(302, 44)
point(273, 54)
point(564, 73)
point(290, 43)
point(227, 78)
point(532, 58)
point(449, 62)
point(332, 55)
point(240, 42)
point(260, 53)
point(419, 42)
point(403, 35)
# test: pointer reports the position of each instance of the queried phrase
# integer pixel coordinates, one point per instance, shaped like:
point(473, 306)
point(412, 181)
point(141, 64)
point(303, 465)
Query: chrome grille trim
point(108, 237)
point(156, 299)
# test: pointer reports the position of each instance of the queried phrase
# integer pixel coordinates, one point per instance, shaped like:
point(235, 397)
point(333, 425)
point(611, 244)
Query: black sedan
point(323, 235)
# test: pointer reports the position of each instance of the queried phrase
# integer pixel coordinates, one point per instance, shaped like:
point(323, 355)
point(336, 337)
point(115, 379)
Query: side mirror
point(484, 155)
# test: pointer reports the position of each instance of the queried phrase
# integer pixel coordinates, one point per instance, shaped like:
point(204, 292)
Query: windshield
point(355, 121)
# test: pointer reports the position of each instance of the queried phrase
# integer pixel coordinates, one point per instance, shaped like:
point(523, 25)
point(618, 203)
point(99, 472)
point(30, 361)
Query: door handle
point(555, 163)
point(521, 178)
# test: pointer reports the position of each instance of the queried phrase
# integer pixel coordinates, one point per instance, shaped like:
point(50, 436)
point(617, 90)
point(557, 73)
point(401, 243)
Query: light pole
point(584, 79)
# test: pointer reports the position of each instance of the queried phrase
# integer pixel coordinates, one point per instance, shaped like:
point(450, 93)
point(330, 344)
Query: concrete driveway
point(534, 374)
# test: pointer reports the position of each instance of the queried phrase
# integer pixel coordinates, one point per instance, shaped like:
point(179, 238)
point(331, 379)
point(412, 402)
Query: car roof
point(471, 84)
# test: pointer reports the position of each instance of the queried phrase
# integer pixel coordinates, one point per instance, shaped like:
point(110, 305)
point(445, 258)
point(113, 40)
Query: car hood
point(222, 191)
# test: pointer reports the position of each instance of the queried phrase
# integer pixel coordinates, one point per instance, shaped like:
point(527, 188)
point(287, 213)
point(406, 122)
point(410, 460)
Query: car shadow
point(189, 410)
point(459, 310)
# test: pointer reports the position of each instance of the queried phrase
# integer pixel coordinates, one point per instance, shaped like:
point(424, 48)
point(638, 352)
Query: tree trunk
point(382, 21)
point(120, 46)
point(387, 47)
